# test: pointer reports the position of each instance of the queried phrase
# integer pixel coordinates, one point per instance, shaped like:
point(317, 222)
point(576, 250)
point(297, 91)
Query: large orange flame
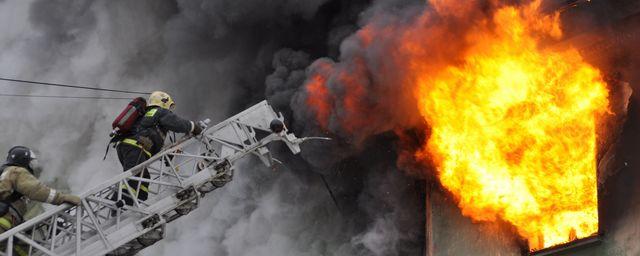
point(513, 122)
point(514, 129)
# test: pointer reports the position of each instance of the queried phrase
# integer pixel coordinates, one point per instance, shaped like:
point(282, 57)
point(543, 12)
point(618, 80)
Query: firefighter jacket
point(155, 124)
point(16, 183)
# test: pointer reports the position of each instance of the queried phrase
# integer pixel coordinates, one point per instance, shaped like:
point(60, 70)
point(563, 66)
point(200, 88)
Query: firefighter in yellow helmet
point(147, 139)
point(18, 183)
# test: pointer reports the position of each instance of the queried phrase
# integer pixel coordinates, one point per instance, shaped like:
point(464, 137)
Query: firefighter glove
point(70, 199)
point(197, 129)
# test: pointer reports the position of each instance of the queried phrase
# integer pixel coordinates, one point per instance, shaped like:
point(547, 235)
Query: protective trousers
point(130, 156)
point(7, 222)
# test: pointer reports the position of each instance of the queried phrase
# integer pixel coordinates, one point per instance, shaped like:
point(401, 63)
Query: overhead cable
point(71, 86)
point(63, 97)
point(333, 197)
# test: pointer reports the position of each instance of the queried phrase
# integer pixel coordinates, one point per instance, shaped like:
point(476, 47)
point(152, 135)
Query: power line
point(63, 97)
point(71, 86)
point(333, 197)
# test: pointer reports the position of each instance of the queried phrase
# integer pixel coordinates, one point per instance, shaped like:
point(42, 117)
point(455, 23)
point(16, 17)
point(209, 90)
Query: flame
point(319, 98)
point(513, 128)
point(512, 122)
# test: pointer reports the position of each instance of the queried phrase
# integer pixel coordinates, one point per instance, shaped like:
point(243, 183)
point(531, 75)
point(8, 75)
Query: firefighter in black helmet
point(18, 183)
point(148, 138)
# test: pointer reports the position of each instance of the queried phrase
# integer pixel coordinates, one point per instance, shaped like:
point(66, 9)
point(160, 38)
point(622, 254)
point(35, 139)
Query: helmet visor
point(33, 163)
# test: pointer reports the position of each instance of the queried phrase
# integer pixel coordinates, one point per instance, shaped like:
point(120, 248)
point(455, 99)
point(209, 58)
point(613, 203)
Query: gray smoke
point(214, 58)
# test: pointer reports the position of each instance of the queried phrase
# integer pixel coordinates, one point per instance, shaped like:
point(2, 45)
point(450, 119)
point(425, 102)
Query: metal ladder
point(180, 175)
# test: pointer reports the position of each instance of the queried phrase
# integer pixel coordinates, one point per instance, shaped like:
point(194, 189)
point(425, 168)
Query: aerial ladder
point(181, 174)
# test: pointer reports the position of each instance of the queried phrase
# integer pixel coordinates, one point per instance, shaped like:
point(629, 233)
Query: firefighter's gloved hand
point(204, 123)
point(70, 199)
point(197, 128)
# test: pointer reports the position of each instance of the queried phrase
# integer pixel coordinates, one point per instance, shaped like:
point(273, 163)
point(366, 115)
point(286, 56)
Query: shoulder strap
point(151, 112)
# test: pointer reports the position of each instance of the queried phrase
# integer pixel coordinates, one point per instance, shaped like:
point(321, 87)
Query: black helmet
point(20, 156)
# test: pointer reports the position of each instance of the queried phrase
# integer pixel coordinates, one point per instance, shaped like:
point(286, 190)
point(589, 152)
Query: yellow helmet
point(161, 99)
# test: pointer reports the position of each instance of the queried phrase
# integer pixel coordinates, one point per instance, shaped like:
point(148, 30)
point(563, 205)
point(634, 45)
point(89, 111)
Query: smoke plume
point(214, 58)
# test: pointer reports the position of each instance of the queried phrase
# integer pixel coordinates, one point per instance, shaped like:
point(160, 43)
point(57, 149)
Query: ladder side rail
point(77, 225)
point(61, 208)
point(167, 204)
point(180, 144)
point(49, 218)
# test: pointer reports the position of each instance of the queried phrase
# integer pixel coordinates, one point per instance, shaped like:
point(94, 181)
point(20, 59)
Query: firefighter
point(147, 139)
point(18, 184)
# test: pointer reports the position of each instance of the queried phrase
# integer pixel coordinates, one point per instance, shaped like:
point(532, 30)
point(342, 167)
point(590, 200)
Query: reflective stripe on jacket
point(135, 143)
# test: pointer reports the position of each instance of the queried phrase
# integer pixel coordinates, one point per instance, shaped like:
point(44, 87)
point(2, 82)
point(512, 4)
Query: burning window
point(512, 120)
point(514, 130)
